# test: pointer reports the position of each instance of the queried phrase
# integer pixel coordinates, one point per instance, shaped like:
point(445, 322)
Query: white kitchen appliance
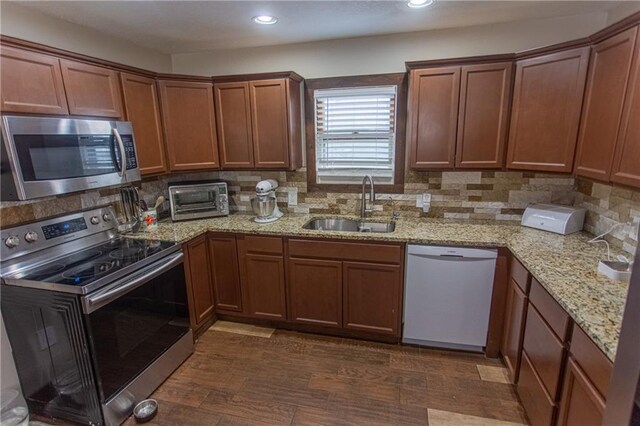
point(553, 218)
point(448, 296)
point(265, 204)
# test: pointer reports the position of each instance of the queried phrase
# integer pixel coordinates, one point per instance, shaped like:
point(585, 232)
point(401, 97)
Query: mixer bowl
point(263, 206)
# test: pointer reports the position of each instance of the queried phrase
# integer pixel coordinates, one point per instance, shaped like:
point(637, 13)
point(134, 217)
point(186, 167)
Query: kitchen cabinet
point(545, 114)
point(259, 123)
point(91, 90)
point(142, 108)
point(225, 273)
point(432, 117)
point(233, 120)
point(198, 282)
point(515, 313)
point(609, 74)
point(485, 99)
point(626, 167)
point(262, 276)
point(31, 83)
point(189, 125)
point(371, 297)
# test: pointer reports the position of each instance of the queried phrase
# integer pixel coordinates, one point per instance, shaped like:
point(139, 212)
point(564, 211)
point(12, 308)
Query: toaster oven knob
point(12, 241)
point(106, 217)
point(94, 220)
point(31, 237)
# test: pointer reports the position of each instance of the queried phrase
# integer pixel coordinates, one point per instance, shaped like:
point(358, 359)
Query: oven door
point(51, 156)
point(132, 325)
point(195, 202)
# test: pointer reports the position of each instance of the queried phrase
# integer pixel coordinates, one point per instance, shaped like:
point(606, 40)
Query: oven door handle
point(94, 302)
point(123, 153)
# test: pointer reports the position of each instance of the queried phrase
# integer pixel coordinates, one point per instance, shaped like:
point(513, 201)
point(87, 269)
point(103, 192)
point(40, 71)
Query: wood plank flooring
point(302, 379)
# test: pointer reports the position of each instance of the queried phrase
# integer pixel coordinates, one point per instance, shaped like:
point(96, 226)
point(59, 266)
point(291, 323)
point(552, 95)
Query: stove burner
point(45, 272)
point(82, 256)
point(83, 272)
point(126, 253)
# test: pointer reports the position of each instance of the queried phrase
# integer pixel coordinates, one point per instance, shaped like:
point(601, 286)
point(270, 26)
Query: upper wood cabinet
point(485, 99)
point(259, 124)
point(609, 72)
point(626, 166)
point(189, 124)
point(547, 101)
point(31, 83)
point(91, 90)
point(233, 114)
point(432, 117)
point(142, 107)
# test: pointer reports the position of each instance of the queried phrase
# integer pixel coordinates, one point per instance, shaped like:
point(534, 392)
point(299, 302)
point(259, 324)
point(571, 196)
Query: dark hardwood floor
point(294, 378)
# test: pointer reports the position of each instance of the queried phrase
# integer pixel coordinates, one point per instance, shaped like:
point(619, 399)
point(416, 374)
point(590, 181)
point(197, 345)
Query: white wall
point(22, 22)
point(385, 54)
point(622, 11)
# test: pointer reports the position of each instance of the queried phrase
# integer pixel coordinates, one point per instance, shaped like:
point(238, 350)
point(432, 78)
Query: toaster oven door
point(196, 202)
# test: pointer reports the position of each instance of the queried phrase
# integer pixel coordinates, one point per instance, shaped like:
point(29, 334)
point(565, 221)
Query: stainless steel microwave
point(198, 199)
point(44, 156)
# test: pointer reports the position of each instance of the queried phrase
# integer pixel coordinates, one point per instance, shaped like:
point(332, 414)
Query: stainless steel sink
point(350, 225)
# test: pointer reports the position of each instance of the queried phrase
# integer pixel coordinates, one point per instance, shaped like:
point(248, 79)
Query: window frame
point(397, 79)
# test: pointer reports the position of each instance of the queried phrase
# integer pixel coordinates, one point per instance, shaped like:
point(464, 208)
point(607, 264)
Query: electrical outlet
point(293, 197)
point(419, 200)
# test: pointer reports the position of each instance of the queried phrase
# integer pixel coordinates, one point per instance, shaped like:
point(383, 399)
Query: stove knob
point(106, 217)
point(95, 220)
point(12, 242)
point(31, 237)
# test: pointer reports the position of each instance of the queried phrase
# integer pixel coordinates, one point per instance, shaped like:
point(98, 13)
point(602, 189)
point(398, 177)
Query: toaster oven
point(198, 199)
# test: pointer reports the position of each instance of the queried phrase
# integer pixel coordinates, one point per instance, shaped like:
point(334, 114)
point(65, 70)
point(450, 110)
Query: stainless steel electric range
point(96, 321)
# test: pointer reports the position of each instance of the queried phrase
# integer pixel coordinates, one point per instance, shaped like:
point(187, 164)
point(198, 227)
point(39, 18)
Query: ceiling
point(189, 26)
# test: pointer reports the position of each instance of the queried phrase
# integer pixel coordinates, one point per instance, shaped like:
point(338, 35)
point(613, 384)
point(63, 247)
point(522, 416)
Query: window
point(355, 134)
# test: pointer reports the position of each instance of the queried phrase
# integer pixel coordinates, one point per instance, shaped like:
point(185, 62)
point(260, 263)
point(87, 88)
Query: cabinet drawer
point(592, 360)
point(545, 351)
point(520, 275)
point(381, 253)
point(549, 309)
point(539, 406)
point(264, 245)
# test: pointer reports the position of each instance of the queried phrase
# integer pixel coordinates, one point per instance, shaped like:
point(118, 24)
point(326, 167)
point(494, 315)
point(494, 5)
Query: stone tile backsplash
point(486, 195)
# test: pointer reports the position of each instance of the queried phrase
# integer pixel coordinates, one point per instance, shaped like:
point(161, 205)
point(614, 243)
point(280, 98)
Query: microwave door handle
point(123, 153)
point(93, 303)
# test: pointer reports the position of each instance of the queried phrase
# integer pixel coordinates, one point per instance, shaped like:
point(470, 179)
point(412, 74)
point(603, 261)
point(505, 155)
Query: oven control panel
point(32, 237)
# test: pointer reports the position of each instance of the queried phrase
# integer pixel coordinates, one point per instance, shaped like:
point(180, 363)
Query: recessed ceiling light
point(266, 19)
point(419, 3)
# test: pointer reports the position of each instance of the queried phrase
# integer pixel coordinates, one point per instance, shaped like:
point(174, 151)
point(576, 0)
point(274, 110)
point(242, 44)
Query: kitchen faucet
point(372, 196)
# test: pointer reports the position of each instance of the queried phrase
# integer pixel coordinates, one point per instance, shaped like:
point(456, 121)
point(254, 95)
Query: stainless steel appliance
point(265, 204)
point(96, 321)
point(198, 199)
point(448, 296)
point(44, 156)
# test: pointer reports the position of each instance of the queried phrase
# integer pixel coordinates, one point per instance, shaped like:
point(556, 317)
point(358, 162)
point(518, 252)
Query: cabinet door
point(581, 403)
point(626, 167)
point(91, 90)
point(485, 94)
point(314, 290)
point(609, 72)
point(199, 281)
point(371, 300)
point(432, 117)
point(263, 282)
point(142, 108)
point(514, 329)
point(225, 273)
point(189, 125)
point(233, 118)
point(31, 83)
point(547, 100)
point(269, 118)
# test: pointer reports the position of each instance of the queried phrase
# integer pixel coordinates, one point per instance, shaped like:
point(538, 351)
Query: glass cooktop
point(86, 266)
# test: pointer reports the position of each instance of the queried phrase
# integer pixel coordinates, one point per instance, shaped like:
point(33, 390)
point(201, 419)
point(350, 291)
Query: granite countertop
point(564, 265)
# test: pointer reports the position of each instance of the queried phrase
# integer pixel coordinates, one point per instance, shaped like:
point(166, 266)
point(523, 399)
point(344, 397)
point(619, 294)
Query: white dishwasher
point(447, 296)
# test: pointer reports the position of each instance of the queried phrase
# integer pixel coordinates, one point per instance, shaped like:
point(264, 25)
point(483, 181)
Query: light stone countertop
point(564, 265)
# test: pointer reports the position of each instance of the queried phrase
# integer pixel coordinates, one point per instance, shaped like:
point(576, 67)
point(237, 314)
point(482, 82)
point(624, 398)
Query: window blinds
point(355, 134)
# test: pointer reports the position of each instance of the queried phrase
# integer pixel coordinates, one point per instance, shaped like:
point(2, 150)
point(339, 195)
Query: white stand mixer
point(265, 205)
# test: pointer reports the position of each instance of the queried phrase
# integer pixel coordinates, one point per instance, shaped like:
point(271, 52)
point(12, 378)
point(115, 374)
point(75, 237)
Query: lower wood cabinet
point(582, 405)
point(515, 313)
point(315, 291)
point(536, 401)
point(225, 273)
point(198, 279)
